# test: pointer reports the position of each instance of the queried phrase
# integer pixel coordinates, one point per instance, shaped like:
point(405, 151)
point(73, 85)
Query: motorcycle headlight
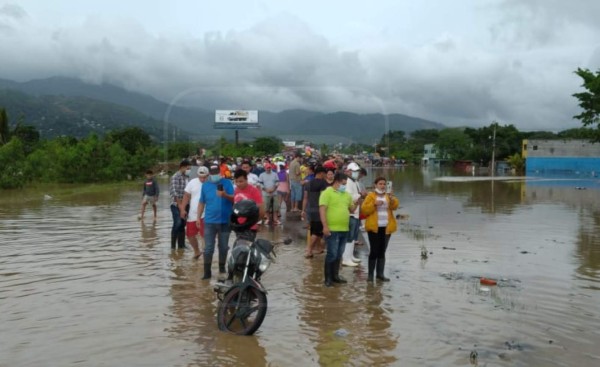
point(264, 263)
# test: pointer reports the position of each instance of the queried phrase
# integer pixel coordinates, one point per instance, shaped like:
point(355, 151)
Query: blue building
point(571, 158)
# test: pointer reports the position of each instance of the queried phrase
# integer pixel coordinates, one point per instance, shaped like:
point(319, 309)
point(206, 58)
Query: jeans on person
point(336, 244)
point(178, 222)
point(378, 243)
point(211, 231)
point(353, 231)
point(296, 191)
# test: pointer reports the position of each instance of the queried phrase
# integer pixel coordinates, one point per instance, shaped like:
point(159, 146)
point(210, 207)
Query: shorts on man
point(150, 199)
point(316, 228)
point(191, 228)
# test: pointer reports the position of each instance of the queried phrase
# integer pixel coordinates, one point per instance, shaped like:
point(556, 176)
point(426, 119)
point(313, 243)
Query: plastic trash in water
point(342, 333)
point(283, 210)
point(486, 281)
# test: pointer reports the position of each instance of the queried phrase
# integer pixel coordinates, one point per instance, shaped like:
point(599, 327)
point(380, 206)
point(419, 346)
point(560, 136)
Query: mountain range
point(66, 106)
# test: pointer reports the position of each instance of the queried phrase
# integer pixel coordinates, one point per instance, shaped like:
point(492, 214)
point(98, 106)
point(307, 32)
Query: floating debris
point(448, 248)
point(423, 252)
point(453, 276)
point(473, 357)
point(487, 281)
point(342, 333)
point(512, 345)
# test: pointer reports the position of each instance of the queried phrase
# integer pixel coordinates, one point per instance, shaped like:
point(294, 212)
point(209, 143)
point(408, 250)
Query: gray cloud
point(10, 15)
point(282, 63)
point(13, 11)
point(540, 22)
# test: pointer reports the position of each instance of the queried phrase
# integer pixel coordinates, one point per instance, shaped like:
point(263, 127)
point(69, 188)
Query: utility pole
point(493, 164)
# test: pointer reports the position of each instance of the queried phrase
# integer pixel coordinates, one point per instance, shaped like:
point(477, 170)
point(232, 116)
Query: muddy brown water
point(83, 282)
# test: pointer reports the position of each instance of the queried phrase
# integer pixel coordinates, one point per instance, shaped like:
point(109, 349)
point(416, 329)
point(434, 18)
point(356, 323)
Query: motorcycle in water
point(243, 299)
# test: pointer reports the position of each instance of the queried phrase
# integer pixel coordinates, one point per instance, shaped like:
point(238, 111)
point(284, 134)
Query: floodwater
point(83, 282)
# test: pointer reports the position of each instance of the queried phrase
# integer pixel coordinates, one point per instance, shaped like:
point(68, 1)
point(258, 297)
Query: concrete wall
point(561, 148)
point(562, 157)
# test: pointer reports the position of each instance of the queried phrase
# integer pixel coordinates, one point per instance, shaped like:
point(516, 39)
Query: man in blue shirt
point(216, 201)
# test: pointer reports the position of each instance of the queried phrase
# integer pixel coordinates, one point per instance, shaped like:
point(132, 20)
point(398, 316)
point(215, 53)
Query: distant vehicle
point(238, 116)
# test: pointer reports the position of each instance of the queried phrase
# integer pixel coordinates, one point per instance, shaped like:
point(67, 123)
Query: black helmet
point(244, 216)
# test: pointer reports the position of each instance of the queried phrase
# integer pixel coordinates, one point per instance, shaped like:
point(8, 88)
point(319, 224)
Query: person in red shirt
point(245, 191)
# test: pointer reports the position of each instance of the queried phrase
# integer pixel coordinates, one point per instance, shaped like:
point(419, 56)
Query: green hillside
point(78, 116)
point(60, 106)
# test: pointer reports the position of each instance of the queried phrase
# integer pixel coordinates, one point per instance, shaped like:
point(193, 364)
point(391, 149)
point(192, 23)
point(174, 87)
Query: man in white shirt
point(252, 178)
point(191, 196)
point(352, 171)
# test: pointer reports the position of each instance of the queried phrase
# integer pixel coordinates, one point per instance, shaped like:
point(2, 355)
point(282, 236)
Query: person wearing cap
point(269, 181)
point(216, 203)
point(330, 164)
point(353, 172)
point(192, 195)
point(176, 190)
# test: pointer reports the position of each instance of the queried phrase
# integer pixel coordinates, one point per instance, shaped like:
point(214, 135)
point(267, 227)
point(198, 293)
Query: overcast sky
point(460, 62)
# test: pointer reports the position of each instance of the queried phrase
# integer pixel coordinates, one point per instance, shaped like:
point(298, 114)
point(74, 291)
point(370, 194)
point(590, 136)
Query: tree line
point(116, 156)
point(468, 143)
point(477, 144)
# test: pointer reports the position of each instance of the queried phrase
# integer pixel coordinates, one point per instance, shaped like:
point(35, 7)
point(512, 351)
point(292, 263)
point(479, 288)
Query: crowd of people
point(329, 195)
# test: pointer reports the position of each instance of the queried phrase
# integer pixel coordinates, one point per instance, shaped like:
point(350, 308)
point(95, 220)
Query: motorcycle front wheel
point(242, 311)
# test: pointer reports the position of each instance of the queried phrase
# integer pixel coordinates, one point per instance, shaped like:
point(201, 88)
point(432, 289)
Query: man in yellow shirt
point(335, 206)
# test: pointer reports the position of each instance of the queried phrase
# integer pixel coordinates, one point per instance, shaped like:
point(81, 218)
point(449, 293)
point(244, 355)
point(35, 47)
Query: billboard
point(236, 119)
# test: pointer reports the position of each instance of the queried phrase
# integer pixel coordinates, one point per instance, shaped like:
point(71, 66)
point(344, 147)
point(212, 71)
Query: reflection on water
point(346, 325)
point(83, 281)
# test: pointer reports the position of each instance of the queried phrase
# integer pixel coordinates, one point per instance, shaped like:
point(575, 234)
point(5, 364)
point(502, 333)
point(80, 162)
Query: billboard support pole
point(237, 137)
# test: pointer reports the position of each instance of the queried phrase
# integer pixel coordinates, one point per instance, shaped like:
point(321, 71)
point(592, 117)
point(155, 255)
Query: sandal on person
point(308, 256)
point(197, 257)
